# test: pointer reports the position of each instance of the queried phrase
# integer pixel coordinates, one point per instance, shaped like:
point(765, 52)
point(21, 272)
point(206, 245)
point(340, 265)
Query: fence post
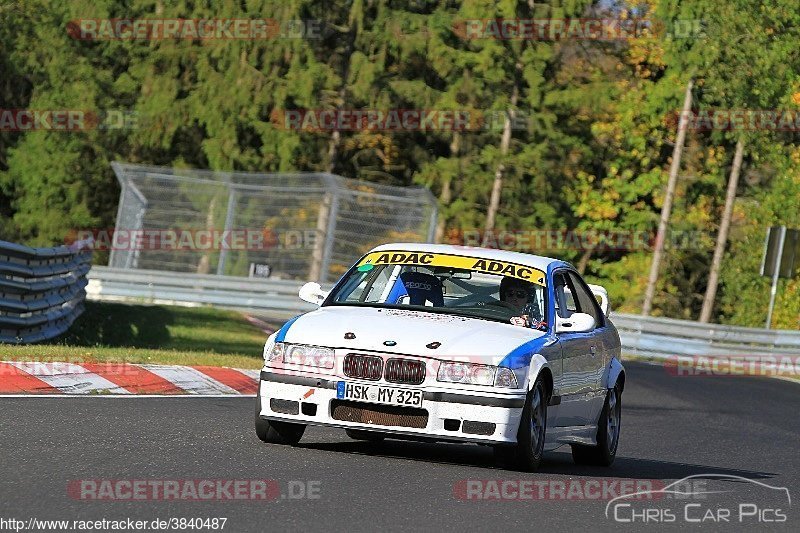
point(315, 272)
point(330, 233)
point(432, 224)
point(112, 254)
point(775, 273)
point(132, 257)
point(223, 253)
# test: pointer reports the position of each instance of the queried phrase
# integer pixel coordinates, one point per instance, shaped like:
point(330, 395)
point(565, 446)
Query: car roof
point(535, 261)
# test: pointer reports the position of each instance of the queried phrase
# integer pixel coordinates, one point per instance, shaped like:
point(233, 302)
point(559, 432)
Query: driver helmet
point(515, 291)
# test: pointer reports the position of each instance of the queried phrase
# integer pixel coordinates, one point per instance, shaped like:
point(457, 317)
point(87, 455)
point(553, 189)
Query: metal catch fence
point(308, 226)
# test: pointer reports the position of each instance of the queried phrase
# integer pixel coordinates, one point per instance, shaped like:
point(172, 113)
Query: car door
point(577, 360)
point(598, 348)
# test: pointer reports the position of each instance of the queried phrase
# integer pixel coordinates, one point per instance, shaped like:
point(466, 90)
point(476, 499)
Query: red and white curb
point(21, 378)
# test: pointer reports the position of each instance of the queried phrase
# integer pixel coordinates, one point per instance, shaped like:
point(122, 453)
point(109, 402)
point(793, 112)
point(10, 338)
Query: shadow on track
point(557, 462)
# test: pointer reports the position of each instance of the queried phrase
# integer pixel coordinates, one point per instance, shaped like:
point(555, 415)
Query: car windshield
point(473, 287)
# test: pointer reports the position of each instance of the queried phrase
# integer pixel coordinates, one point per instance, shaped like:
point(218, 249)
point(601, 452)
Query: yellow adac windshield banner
point(476, 264)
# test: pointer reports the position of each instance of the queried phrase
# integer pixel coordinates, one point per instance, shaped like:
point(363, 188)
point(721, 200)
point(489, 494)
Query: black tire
point(526, 455)
point(608, 430)
point(360, 434)
point(276, 432)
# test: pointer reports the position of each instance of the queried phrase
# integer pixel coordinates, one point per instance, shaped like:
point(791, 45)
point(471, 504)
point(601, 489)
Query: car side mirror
point(577, 323)
point(312, 293)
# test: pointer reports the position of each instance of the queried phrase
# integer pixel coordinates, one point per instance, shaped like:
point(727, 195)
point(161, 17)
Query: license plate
point(378, 394)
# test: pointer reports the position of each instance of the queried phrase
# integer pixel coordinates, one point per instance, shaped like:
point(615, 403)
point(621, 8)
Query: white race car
point(451, 343)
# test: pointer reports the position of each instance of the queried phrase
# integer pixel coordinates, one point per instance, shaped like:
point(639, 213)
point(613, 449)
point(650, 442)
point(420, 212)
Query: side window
point(586, 300)
point(571, 307)
point(565, 302)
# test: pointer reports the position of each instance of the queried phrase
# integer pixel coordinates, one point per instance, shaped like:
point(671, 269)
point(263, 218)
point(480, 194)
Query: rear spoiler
point(601, 294)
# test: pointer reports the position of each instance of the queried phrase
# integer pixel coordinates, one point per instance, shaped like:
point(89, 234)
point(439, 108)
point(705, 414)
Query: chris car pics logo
point(724, 499)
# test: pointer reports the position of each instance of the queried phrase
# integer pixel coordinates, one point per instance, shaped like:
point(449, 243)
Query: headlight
point(301, 354)
point(505, 378)
point(275, 352)
point(454, 372)
point(268, 347)
point(471, 374)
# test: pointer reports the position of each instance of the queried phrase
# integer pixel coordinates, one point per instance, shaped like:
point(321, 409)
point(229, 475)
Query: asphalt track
point(672, 427)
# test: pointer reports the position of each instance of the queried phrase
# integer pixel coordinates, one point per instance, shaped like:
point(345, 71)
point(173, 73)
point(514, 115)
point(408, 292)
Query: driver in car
point(518, 295)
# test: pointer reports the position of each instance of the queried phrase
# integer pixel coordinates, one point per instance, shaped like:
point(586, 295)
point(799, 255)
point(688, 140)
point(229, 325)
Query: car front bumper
point(491, 418)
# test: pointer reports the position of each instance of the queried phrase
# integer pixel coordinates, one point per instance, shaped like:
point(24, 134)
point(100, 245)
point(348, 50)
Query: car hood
point(459, 337)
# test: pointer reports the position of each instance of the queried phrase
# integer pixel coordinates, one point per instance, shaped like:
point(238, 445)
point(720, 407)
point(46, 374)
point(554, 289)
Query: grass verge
point(113, 332)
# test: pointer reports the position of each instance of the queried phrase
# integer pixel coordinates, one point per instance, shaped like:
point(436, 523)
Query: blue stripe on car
point(521, 356)
point(284, 329)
